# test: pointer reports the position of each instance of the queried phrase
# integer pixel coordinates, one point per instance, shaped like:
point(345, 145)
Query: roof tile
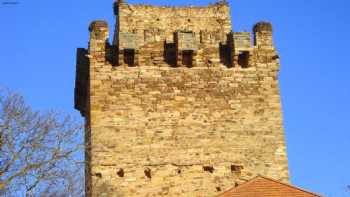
point(266, 187)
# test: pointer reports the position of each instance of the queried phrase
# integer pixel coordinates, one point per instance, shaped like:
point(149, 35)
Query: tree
point(40, 153)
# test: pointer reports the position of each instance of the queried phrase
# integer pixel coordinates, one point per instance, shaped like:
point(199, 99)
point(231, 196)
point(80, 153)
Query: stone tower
point(179, 104)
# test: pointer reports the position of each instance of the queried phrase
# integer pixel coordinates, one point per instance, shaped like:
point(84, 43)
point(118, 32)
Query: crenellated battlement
point(179, 36)
point(190, 48)
point(179, 104)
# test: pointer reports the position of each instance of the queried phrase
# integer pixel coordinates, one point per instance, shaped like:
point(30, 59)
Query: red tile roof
point(266, 187)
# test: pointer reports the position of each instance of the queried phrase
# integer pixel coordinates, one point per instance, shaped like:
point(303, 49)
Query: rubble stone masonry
point(178, 104)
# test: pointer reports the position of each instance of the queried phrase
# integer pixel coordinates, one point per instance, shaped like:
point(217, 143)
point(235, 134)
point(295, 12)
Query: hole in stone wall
point(189, 20)
point(243, 59)
point(129, 57)
point(275, 57)
point(236, 168)
point(208, 169)
point(218, 189)
point(179, 171)
point(224, 55)
point(112, 55)
point(187, 57)
point(120, 172)
point(170, 54)
point(98, 174)
point(158, 19)
point(148, 173)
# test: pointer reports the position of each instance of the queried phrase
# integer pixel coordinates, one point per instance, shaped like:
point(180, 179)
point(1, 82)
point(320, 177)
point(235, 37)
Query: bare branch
point(40, 153)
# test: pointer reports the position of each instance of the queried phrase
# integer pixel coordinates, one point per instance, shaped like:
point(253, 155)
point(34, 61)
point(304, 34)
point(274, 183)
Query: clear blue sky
point(38, 39)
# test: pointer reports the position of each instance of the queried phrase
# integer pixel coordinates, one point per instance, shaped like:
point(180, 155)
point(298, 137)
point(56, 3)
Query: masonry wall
point(154, 23)
point(155, 28)
point(164, 131)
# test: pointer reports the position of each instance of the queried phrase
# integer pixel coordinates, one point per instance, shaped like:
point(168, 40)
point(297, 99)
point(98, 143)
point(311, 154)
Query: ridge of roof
point(289, 185)
point(269, 179)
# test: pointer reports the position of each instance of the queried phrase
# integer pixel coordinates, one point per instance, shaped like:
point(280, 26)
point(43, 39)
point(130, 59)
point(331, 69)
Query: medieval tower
point(179, 104)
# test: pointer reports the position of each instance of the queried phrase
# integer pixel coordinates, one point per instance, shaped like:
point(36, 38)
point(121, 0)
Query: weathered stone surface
point(153, 129)
point(187, 41)
point(242, 40)
point(128, 41)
